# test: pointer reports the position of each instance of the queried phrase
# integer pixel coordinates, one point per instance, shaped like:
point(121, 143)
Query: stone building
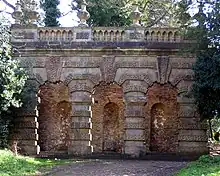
point(95, 90)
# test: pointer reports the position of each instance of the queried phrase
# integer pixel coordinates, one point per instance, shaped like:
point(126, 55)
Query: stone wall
point(131, 95)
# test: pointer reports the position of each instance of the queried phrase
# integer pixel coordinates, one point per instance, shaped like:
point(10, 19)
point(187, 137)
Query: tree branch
point(9, 4)
point(3, 11)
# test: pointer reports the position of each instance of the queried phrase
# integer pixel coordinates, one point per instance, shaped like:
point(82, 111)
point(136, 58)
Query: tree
point(12, 80)
point(206, 88)
point(117, 13)
point(52, 13)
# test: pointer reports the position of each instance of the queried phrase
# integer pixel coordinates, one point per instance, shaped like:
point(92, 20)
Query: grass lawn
point(11, 165)
point(204, 166)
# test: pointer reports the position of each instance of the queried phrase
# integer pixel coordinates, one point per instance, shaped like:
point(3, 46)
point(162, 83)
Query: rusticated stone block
point(28, 150)
point(134, 111)
point(193, 132)
point(28, 124)
point(80, 148)
point(25, 119)
point(135, 62)
point(83, 119)
point(81, 97)
point(27, 142)
point(187, 124)
point(80, 134)
point(25, 136)
point(135, 148)
point(80, 85)
point(133, 125)
point(194, 138)
point(83, 125)
point(82, 113)
point(82, 62)
point(187, 110)
point(193, 147)
point(134, 135)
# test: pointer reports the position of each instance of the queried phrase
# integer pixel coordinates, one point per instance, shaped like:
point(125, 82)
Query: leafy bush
point(12, 81)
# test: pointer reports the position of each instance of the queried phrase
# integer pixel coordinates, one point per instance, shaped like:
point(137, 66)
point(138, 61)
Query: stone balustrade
point(55, 34)
point(108, 34)
point(162, 35)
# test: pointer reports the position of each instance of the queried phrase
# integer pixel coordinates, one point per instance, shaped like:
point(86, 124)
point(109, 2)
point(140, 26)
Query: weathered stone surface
point(53, 67)
point(108, 69)
point(163, 69)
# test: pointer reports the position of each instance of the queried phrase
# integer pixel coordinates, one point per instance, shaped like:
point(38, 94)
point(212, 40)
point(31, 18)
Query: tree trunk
point(210, 128)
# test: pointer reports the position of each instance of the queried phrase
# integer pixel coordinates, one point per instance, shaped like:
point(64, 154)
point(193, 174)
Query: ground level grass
point(11, 165)
point(204, 166)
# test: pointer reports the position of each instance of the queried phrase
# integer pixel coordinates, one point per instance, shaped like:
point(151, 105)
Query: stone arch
point(54, 117)
point(162, 119)
point(108, 105)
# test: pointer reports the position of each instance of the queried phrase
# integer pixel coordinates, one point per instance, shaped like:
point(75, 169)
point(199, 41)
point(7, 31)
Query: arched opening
point(158, 121)
point(162, 120)
point(108, 119)
point(54, 117)
point(110, 127)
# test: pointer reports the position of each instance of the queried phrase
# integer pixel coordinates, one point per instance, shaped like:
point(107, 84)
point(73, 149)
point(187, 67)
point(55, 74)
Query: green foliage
point(12, 81)
point(117, 13)
point(52, 13)
point(11, 165)
point(206, 88)
point(206, 35)
point(205, 165)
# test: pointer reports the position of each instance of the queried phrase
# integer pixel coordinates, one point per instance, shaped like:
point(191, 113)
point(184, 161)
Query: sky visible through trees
point(64, 7)
point(68, 20)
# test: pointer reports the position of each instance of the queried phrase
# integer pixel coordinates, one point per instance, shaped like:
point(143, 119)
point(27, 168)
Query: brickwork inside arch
point(54, 117)
point(108, 118)
point(162, 108)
